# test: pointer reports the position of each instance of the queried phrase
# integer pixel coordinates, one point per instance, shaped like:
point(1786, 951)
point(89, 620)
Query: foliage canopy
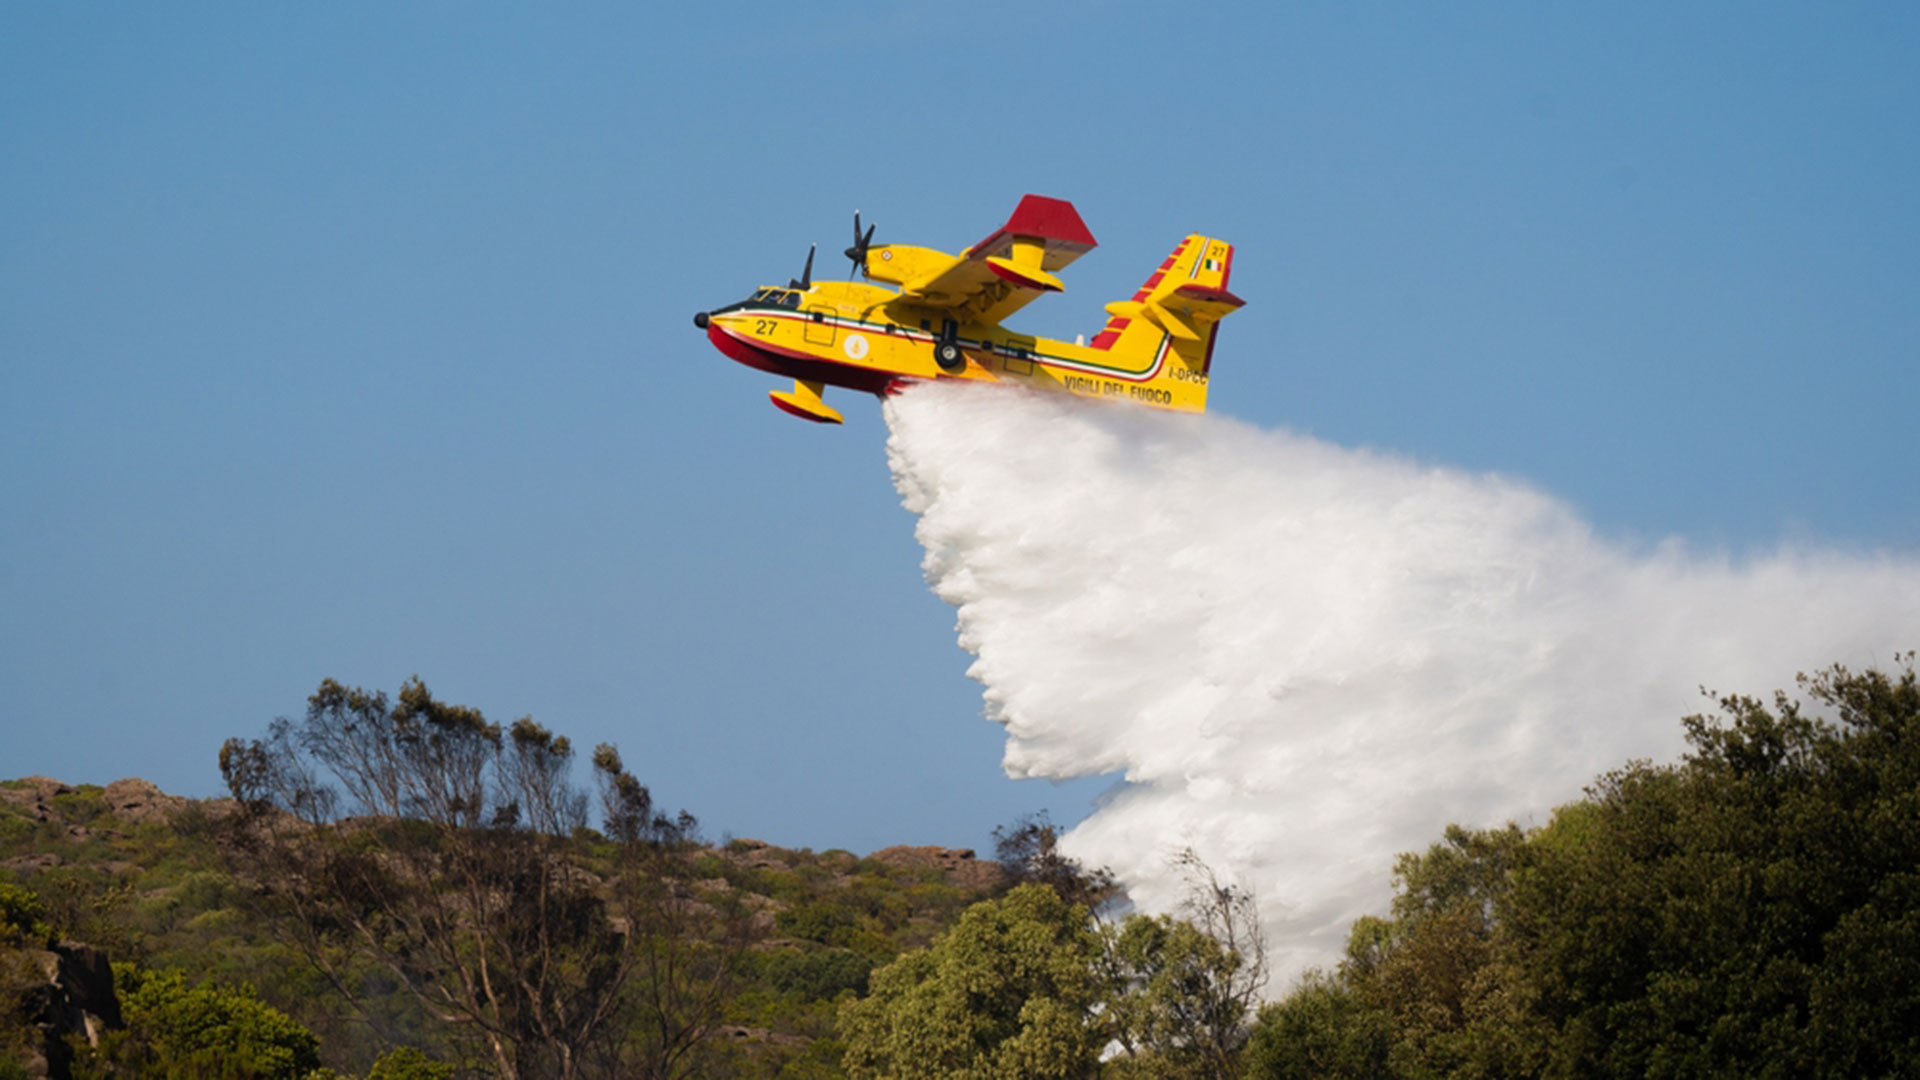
point(1751, 910)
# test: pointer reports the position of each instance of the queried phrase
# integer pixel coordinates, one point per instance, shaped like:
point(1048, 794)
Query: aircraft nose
point(700, 319)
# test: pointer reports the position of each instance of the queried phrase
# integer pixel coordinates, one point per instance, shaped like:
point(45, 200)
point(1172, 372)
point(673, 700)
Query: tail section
point(1170, 323)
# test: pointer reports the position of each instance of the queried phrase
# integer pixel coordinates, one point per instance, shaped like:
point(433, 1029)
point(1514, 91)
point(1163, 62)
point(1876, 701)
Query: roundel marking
point(856, 347)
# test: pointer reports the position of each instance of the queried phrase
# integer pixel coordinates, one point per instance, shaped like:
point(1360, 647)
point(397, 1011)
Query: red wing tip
point(1049, 219)
point(1055, 219)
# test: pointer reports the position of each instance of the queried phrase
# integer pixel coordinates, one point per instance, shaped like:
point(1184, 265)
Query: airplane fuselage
point(869, 338)
point(932, 315)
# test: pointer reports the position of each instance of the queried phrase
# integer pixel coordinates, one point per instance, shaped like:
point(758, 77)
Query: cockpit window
point(786, 298)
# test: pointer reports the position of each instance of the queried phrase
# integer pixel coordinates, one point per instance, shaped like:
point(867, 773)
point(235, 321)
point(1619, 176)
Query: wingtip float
point(938, 316)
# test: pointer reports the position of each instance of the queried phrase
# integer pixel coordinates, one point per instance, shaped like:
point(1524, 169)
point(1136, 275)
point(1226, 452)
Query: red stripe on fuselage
point(797, 365)
point(1106, 338)
point(1111, 332)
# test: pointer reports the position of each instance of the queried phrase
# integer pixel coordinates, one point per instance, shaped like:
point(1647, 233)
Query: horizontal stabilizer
point(1185, 311)
point(1173, 322)
point(1202, 302)
point(1188, 310)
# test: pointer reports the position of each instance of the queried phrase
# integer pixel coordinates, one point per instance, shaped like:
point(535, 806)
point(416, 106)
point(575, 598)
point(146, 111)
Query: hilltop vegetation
point(159, 897)
point(1753, 910)
point(401, 890)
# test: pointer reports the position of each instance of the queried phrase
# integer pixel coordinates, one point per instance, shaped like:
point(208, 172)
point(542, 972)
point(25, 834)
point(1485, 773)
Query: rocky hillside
point(128, 872)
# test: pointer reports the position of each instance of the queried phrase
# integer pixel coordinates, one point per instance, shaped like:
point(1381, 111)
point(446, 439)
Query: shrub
point(23, 918)
point(184, 1029)
point(815, 976)
point(407, 1063)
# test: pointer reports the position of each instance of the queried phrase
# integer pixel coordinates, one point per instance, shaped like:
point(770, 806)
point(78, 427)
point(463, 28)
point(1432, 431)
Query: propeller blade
point(858, 252)
point(805, 280)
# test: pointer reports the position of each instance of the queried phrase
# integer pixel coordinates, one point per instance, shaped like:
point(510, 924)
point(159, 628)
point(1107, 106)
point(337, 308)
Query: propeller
point(858, 252)
point(805, 280)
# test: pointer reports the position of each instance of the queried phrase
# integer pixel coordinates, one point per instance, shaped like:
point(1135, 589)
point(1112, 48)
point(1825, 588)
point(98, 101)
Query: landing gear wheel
point(948, 355)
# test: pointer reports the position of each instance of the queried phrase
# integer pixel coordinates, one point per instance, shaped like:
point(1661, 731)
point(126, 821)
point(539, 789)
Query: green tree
point(1032, 985)
point(1751, 910)
point(205, 1032)
point(1423, 992)
point(1323, 1030)
point(1179, 990)
point(1009, 990)
point(1165, 1002)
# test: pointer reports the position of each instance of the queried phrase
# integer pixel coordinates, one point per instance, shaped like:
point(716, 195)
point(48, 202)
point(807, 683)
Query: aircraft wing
point(1003, 273)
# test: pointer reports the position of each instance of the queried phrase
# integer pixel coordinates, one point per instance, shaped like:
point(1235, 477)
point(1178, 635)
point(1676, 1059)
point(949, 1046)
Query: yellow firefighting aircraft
point(943, 320)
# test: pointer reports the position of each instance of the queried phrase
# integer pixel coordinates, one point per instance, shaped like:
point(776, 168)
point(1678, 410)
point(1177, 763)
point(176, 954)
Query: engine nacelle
point(897, 264)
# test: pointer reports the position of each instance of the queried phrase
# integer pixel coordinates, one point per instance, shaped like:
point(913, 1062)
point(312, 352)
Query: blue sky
point(355, 340)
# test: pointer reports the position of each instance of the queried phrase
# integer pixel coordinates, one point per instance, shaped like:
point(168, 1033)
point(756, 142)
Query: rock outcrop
point(758, 854)
point(959, 865)
point(36, 797)
point(61, 992)
point(135, 801)
point(32, 864)
point(131, 800)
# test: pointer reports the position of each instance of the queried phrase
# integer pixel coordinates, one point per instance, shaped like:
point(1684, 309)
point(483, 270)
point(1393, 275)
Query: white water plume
point(1306, 659)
